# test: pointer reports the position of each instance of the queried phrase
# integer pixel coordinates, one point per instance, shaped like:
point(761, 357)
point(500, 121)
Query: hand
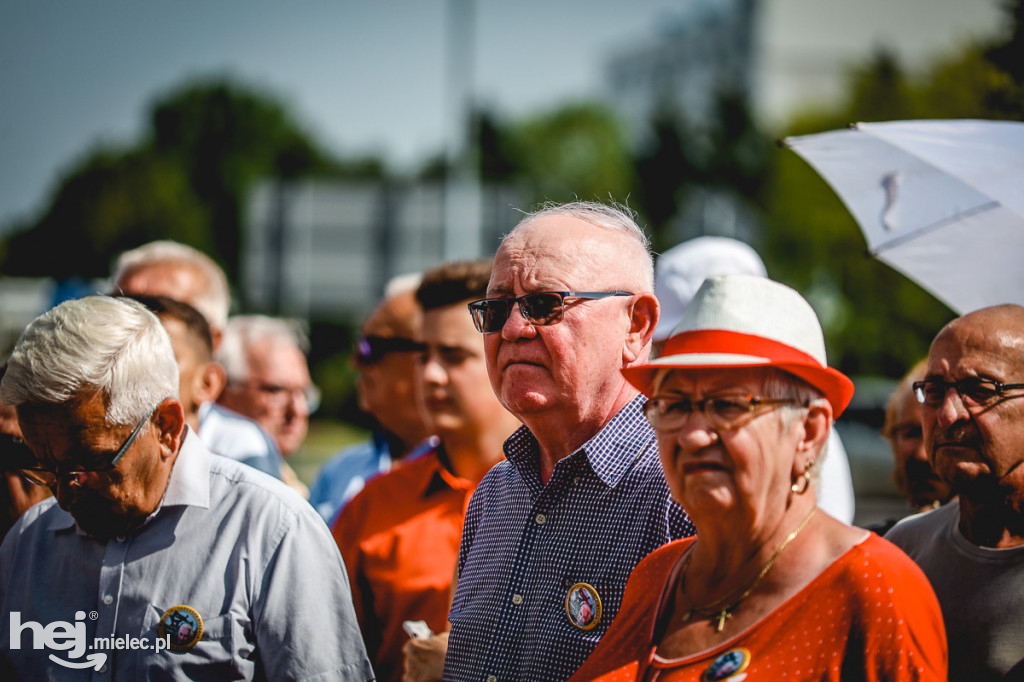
point(424, 658)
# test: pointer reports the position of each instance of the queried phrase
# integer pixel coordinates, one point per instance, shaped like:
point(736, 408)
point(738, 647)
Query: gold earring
point(797, 488)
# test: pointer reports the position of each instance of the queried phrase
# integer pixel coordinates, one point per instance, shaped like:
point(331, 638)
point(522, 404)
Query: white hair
point(111, 345)
point(244, 331)
point(215, 301)
point(614, 216)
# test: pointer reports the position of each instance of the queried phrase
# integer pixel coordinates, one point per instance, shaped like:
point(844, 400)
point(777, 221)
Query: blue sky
point(362, 76)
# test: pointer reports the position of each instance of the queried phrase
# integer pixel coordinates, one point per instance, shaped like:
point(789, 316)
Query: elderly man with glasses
point(552, 533)
point(156, 559)
point(972, 549)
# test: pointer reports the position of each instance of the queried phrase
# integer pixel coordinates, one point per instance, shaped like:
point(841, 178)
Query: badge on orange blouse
point(583, 606)
point(728, 666)
point(182, 626)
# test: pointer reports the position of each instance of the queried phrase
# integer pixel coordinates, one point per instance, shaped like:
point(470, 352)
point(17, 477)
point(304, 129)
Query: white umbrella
point(940, 201)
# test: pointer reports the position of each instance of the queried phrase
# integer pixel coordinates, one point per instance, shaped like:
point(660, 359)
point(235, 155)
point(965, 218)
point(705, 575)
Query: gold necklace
point(722, 609)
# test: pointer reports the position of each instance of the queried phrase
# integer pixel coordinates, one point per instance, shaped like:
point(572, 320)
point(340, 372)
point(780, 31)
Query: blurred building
point(325, 250)
point(695, 65)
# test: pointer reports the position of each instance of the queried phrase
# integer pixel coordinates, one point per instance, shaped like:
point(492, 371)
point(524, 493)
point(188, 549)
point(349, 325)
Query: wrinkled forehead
point(712, 379)
point(977, 347)
point(561, 252)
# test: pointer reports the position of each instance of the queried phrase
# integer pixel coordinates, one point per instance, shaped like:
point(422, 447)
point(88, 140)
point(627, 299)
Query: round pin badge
point(182, 626)
point(728, 666)
point(583, 606)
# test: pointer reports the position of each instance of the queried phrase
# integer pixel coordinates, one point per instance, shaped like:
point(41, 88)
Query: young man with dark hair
point(400, 535)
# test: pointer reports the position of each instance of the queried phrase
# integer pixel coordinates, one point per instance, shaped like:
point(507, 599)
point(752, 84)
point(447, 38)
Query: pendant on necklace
point(721, 617)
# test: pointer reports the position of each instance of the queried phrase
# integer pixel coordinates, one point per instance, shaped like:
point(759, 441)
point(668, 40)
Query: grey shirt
point(980, 590)
point(246, 556)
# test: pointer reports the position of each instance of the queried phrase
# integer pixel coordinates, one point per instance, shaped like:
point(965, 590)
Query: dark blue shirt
point(525, 544)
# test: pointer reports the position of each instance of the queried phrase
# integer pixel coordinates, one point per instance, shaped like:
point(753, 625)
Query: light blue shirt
point(245, 552)
point(345, 474)
point(236, 436)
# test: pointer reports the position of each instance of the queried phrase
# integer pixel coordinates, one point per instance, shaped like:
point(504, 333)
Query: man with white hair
point(678, 274)
point(182, 273)
point(167, 268)
point(163, 545)
point(580, 499)
point(268, 377)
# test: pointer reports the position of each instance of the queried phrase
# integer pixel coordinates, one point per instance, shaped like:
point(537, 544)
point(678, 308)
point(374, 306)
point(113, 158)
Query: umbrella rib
point(902, 239)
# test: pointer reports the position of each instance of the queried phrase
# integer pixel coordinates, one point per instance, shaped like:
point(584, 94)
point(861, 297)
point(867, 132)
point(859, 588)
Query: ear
point(643, 319)
point(169, 419)
point(217, 335)
point(210, 381)
point(816, 427)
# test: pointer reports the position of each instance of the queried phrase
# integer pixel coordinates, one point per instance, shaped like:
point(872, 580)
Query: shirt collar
point(610, 452)
point(440, 477)
point(188, 485)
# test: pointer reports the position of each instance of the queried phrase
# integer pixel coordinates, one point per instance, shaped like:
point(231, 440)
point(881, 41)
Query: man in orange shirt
point(400, 535)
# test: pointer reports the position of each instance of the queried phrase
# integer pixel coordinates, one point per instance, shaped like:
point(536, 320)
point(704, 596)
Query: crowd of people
point(586, 464)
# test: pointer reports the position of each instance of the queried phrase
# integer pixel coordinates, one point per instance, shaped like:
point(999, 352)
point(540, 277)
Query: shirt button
point(576, 480)
point(540, 519)
point(492, 678)
point(103, 669)
point(517, 599)
point(120, 538)
point(108, 600)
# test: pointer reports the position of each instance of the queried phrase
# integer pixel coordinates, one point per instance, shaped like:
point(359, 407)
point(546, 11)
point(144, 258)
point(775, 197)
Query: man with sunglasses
point(152, 540)
point(972, 549)
point(581, 498)
point(385, 354)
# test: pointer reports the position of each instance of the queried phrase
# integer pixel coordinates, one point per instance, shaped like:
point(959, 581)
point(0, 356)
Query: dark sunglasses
point(370, 349)
point(540, 309)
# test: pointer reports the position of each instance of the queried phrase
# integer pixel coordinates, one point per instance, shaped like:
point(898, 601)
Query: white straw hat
point(749, 321)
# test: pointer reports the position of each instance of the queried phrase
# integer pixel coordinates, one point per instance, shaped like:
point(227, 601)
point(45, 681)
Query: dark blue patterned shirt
point(525, 544)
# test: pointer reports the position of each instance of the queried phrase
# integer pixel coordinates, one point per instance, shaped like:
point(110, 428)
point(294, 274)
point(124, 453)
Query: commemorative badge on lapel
point(728, 666)
point(583, 606)
point(182, 626)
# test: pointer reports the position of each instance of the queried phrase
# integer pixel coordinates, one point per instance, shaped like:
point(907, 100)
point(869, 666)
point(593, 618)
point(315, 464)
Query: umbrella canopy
point(940, 201)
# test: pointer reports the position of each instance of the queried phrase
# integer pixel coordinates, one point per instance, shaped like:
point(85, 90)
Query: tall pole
point(462, 200)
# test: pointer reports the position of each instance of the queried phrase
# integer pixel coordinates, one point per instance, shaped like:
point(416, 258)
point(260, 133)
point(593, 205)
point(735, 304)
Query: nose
point(433, 373)
point(695, 432)
point(66, 489)
point(517, 326)
point(951, 410)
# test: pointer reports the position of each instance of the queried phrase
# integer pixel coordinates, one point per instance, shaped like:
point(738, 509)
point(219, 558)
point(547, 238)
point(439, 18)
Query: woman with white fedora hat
point(742, 400)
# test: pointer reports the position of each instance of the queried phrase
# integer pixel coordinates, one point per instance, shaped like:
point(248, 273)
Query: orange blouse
point(870, 616)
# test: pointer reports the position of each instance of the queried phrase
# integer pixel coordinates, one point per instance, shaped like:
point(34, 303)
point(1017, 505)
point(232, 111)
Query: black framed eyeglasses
point(540, 309)
point(369, 350)
point(50, 475)
point(725, 413)
point(974, 391)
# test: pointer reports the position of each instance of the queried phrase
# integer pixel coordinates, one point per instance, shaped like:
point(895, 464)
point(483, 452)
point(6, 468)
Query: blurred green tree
point(109, 201)
point(208, 141)
point(577, 151)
